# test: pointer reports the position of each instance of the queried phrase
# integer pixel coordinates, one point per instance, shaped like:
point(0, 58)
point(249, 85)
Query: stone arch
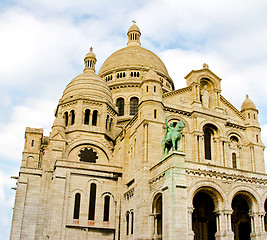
point(207, 122)
point(249, 194)
point(206, 202)
point(212, 188)
point(98, 145)
point(233, 132)
point(210, 79)
point(157, 212)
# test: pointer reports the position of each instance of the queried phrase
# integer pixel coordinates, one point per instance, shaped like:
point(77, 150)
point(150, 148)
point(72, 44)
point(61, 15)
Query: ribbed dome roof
point(248, 104)
point(133, 56)
point(87, 85)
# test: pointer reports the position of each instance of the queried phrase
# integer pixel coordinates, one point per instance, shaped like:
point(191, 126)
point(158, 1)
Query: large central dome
point(133, 59)
point(133, 56)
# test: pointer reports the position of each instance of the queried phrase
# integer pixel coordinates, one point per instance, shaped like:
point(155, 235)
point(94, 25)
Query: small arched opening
point(203, 217)
point(120, 106)
point(66, 118)
point(241, 226)
point(86, 116)
point(157, 214)
point(94, 120)
point(133, 105)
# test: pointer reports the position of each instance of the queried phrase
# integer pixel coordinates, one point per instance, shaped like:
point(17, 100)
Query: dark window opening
point(107, 121)
point(72, 117)
point(234, 160)
point(86, 116)
point(207, 144)
point(88, 155)
point(155, 88)
point(133, 105)
point(110, 124)
point(92, 201)
point(127, 222)
point(120, 106)
point(66, 117)
point(32, 143)
point(155, 113)
point(257, 138)
point(94, 120)
point(132, 222)
point(77, 203)
point(106, 208)
point(147, 88)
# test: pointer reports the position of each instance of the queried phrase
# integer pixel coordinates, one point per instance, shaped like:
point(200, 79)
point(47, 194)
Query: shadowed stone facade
point(101, 174)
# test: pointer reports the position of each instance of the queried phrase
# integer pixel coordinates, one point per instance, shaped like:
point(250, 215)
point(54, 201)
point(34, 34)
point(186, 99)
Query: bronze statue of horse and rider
point(172, 137)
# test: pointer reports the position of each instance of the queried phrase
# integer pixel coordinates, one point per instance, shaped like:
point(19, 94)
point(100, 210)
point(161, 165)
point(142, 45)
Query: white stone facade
point(101, 174)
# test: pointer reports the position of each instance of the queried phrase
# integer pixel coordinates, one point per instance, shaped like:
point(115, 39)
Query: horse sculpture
point(172, 137)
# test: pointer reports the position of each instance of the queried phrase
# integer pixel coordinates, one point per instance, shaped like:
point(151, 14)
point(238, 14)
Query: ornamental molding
point(176, 92)
point(224, 176)
point(129, 194)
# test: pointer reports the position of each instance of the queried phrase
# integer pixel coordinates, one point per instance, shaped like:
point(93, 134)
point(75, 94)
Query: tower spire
point(134, 35)
point(90, 60)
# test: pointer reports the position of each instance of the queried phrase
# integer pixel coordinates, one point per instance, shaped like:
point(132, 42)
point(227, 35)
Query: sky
point(43, 44)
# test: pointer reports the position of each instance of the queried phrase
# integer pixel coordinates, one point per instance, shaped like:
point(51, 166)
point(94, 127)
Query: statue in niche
point(233, 143)
point(205, 96)
point(172, 137)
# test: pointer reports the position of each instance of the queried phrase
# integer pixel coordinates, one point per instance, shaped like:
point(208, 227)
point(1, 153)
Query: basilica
point(130, 157)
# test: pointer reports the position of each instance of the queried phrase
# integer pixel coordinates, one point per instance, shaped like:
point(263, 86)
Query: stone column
point(229, 235)
point(201, 148)
point(219, 235)
point(191, 233)
point(256, 227)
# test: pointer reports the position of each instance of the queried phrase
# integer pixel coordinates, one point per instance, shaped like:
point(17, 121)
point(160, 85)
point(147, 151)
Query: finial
point(205, 66)
point(134, 22)
point(91, 49)
point(246, 95)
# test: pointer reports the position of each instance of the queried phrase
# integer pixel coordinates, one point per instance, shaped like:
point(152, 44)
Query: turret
point(256, 147)
point(90, 61)
point(134, 34)
point(31, 153)
point(151, 95)
point(250, 112)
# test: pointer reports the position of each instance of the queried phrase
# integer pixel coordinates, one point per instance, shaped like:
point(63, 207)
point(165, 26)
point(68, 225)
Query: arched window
point(110, 124)
point(72, 113)
point(107, 121)
point(132, 222)
point(92, 200)
point(207, 144)
point(157, 212)
point(94, 120)
point(86, 116)
point(106, 208)
point(133, 105)
point(120, 106)
point(66, 117)
point(127, 222)
point(77, 202)
point(234, 160)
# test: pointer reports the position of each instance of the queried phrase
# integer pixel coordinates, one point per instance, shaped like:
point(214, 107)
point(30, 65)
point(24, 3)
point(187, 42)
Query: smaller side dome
point(90, 61)
point(248, 104)
point(134, 34)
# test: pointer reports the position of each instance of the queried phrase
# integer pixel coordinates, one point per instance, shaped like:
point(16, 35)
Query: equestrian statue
point(172, 137)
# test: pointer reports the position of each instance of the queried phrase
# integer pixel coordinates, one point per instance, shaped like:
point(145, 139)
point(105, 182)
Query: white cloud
point(37, 113)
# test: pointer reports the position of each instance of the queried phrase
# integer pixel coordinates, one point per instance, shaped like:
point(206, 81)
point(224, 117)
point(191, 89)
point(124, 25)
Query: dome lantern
point(90, 61)
point(134, 35)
